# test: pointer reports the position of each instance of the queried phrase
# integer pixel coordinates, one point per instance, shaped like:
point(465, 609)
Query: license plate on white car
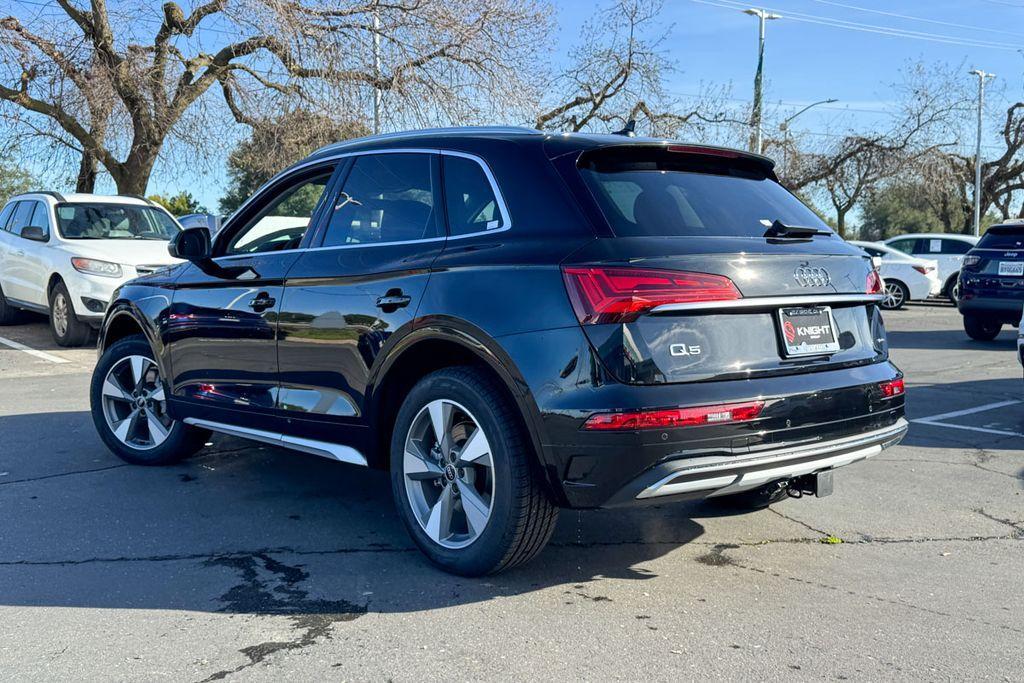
point(1011, 267)
point(808, 331)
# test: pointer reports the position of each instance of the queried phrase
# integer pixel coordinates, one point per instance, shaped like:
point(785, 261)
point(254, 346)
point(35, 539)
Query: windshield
point(660, 196)
point(114, 222)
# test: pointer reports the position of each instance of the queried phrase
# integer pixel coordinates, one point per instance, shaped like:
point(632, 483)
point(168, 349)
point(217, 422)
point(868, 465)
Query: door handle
point(262, 302)
point(393, 300)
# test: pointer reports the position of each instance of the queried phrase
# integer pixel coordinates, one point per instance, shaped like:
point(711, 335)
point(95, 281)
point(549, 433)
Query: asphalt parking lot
point(256, 563)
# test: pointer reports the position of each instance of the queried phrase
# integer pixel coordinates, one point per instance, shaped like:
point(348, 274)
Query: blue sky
point(808, 58)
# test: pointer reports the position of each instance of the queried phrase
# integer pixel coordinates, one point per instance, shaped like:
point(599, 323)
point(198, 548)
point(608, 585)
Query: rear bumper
point(717, 476)
point(1002, 308)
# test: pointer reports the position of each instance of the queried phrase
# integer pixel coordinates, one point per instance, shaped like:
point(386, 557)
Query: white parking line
point(936, 420)
point(32, 352)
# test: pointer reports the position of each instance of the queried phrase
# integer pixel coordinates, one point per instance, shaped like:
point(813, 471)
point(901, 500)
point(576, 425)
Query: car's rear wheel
point(896, 294)
point(129, 408)
point(953, 289)
point(66, 328)
point(463, 477)
point(981, 328)
point(8, 314)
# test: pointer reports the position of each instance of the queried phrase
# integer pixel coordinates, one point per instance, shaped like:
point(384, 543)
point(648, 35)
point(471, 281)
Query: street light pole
point(784, 127)
point(982, 75)
point(756, 143)
point(377, 94)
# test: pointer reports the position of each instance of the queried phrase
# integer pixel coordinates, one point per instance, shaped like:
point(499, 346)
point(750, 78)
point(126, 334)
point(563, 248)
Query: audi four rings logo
point(811, 276)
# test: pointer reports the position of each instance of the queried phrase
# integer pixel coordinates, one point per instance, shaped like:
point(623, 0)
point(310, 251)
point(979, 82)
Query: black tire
point(522, 516)
point(897, 294)
point(66, 328)
point(981, 328)
point(9, 315)
point(182, 440)
point(952, 289)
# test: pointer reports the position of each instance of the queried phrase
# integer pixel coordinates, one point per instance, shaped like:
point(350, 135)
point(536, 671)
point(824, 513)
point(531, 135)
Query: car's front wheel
point(66, 328)
point(463, 477)
point(129, 408)
point(981, 328)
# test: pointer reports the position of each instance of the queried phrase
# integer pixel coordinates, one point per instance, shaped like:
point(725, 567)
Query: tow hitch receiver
point(818, 484)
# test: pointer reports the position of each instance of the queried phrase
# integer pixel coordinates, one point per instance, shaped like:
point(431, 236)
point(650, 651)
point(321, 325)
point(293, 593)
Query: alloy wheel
point(893, 296)
point(134, 403)
point(60, 314)
point(449, 473)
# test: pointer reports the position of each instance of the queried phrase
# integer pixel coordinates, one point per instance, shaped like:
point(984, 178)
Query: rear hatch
point(995, 267)
point(711, 270)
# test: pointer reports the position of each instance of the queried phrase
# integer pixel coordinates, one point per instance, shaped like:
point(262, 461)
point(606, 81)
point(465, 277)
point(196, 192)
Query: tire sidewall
point(174, 447)
point(490, 547)
point(76, 332)
point(904, 294)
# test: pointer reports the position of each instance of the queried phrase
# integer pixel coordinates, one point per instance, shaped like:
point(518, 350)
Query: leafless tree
point(115, 84)
point(617, 74)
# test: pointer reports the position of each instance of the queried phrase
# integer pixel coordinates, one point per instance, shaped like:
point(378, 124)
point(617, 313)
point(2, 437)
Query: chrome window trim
point(770, 302)
point(502, 206)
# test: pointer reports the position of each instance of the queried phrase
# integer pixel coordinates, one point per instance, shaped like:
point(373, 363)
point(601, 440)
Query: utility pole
point(977, 150)
point(377, 94)
point(756, 141)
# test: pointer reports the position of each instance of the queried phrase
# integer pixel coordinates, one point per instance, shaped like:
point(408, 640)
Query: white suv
point(65, 255)
point(946, 249)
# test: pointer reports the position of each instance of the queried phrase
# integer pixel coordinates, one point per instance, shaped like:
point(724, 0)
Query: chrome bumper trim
point(720, 475)
point(770, 302)
point(324, 449)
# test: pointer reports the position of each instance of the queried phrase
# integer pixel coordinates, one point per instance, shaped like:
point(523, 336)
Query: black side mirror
point(34, 233)
point(192, 244)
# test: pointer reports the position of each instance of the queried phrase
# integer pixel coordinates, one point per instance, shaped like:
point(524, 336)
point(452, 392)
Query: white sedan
point(906, 278)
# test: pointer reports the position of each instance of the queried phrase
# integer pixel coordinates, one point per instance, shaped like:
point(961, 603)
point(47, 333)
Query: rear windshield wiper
point(779, 229)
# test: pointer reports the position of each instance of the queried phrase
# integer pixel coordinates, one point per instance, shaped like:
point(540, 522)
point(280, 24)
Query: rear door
point(947, 253)
point(360, 283)
point(19, 282)
point(690, 289)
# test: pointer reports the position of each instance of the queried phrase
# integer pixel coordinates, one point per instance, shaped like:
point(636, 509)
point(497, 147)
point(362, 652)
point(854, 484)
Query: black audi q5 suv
point(513, 322)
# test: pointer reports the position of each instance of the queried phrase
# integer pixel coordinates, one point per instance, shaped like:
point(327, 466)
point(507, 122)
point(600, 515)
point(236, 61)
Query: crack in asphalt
point(865, 539)
point(797, 521)
point(269, 588)
point(976, 464)
point(63, 474)
point(1018, 527)
point(717, 558)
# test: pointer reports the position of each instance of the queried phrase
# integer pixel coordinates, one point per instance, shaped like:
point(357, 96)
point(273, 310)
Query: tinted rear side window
point(1002, 240)
point(5, 215)
point(469, 197)
point(655, 193)
point(22, 216)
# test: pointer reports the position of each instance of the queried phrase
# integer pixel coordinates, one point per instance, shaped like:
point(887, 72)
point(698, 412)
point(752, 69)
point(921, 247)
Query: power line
point(922, 19)
point(869, 28)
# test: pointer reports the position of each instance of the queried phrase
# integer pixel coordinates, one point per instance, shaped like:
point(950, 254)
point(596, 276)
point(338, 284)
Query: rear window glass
point(1002, 240)
point(655, 193)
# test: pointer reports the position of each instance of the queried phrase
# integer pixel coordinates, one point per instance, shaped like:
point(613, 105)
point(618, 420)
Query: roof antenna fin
point(629, 130)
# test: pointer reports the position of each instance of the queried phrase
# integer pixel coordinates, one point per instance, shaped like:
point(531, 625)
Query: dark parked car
point(514, 322)
point(992, 282)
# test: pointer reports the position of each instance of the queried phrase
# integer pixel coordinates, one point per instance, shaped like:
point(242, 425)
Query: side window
point(906, 246)
point(955, 247)
point(39, 218)
point(22, 216)
point(469, 197)
point(5, 215)
point(386, 198)
point(282, 223)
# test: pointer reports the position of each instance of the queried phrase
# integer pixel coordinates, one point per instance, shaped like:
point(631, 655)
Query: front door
point(361, 283)
point(221, 329)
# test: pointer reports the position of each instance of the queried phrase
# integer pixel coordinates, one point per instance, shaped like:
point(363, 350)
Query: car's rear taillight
point(672, 418)
point(874, 285)
point(924, 270)
point(971, 260)
point(621, 295)
point(891, 388)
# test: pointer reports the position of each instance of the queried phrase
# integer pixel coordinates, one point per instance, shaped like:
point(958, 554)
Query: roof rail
point(137, 196)
point(49, 193)
point(458, 130)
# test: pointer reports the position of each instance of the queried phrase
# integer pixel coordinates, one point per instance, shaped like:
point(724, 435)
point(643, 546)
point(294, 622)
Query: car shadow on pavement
point(246, 528)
